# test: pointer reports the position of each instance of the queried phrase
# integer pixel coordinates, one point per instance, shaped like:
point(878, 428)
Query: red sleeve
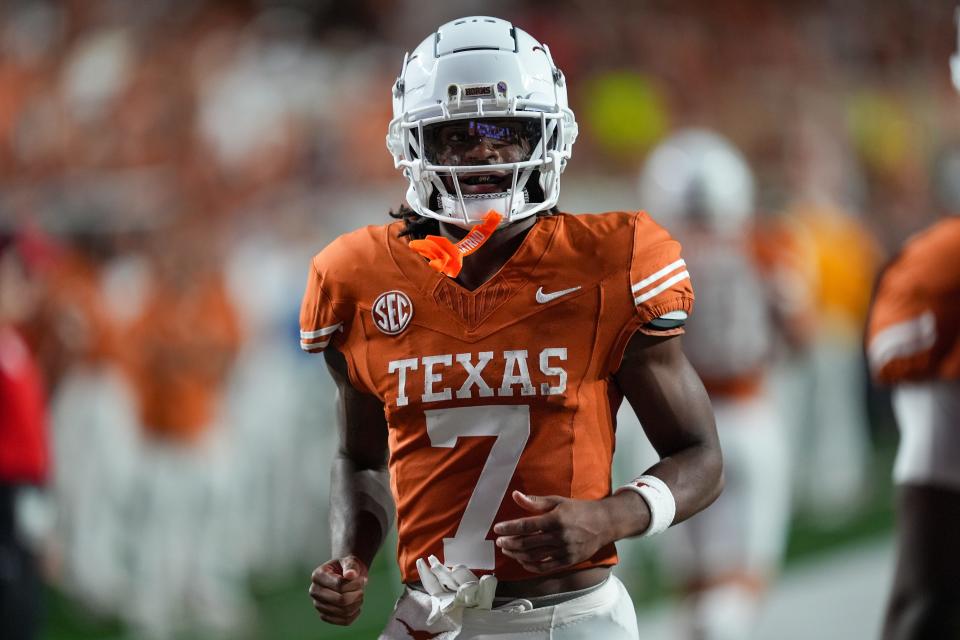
point(24, 454)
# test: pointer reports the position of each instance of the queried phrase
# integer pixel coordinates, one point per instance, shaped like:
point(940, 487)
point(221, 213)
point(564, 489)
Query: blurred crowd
point(167, 168)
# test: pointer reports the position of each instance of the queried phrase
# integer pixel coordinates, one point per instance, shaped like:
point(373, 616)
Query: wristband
point(659, 499)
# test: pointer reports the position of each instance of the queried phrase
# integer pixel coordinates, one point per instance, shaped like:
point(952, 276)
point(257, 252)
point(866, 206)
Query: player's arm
point(677, 417)
point(361, 508)
point(673, 407)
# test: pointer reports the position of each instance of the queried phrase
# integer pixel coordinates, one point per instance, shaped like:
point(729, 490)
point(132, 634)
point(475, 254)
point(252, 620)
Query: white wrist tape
point(659, 499)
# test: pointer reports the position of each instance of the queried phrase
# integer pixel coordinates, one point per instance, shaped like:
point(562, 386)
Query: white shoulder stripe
point(683, 275)
point(902, 340)
point(315, 346)
point(673, 266)
point(319, 333)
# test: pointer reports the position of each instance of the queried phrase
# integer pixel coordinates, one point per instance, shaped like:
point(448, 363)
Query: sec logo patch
point(392, 311)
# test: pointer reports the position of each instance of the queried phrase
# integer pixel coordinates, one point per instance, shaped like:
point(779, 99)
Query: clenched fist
point(336, 588)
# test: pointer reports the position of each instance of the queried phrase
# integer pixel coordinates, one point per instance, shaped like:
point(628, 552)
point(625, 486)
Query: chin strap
point(447, 257)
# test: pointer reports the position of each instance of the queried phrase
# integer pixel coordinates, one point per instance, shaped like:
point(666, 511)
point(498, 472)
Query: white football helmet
point(480, 68)
point(697, 175)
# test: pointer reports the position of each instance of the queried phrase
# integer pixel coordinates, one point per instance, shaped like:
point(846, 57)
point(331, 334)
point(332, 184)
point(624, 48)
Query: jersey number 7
point(510, 423)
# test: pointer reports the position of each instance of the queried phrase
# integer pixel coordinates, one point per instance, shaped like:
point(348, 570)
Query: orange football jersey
point(914, 327)
point(179, 351)
point(501, 388)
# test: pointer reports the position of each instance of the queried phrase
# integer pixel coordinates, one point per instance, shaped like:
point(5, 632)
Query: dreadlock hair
point(415, 225)
point(418, 227)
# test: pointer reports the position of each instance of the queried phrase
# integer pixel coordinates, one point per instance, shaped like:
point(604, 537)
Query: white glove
point(454, 588)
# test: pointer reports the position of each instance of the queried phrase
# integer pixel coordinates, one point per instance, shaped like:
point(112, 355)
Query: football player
point(751, 297)
point(913, 345)
point(481, 345)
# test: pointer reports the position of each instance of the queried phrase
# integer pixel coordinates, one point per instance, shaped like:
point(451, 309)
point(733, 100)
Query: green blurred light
point(624, 111)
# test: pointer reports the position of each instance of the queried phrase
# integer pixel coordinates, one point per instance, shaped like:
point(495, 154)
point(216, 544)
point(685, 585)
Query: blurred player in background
point(93, 418)
point(752, 298)
point(270, 416)
point(178, 351)
point(23, 445)
point(830, 432)
point(490, 381)
point(913, 345)
point(138, 338)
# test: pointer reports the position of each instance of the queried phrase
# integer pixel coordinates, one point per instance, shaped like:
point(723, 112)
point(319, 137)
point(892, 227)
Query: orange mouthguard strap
point(447, 257)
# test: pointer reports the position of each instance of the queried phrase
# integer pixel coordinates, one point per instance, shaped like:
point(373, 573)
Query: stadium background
point(170, 166)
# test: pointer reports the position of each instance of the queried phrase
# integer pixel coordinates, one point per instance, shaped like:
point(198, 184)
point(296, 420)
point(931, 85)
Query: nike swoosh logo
point(544, 298)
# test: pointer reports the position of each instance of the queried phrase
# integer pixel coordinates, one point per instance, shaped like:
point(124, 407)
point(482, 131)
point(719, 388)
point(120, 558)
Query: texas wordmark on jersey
point(515, 378)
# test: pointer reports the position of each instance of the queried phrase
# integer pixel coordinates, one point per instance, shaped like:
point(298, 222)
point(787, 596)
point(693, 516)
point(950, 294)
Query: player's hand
point(563, 532)
point(336, 588)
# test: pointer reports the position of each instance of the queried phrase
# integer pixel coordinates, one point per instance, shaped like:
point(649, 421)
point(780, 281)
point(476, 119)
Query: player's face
point(478, 142)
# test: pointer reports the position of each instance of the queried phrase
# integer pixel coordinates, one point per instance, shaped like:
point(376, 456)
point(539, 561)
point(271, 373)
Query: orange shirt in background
point(848, 257)
point(72, 325)
point(178, 354)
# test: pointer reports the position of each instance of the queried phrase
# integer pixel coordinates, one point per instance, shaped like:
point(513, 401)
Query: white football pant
point(605, 613)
